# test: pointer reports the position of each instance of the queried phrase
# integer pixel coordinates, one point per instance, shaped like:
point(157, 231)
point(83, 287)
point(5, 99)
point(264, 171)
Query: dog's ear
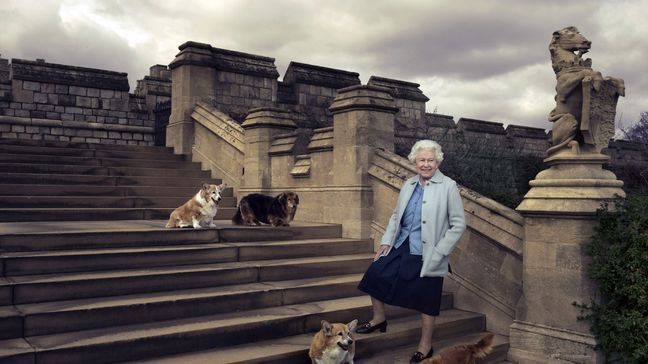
point(282, 197)
point(352, 325)
point(296, 199)
point(204, 186)
point(326, 328)
point(222, 186)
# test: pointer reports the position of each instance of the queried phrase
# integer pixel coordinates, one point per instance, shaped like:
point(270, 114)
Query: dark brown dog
point(255, 209)
point(463, 354)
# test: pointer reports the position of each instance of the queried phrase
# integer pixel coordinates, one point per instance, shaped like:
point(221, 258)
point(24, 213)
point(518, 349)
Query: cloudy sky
point(484, 59)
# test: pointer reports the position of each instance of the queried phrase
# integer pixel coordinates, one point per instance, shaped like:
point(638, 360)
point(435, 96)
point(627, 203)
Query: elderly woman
point(412, 260)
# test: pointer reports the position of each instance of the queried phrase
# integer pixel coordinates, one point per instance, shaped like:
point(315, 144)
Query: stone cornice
point(68, 75)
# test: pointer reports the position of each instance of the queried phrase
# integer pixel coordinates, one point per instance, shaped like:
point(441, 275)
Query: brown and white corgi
point(333, 344)
point(200, 210)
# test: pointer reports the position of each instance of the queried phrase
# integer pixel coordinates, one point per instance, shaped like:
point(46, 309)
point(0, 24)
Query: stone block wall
point(309, 90)
point(156, 87)
point(409, 100)
point(242, 81)
point(40, 100)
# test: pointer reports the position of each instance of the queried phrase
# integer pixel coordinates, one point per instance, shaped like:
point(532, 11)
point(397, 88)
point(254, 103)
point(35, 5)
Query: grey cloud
point(473, 59)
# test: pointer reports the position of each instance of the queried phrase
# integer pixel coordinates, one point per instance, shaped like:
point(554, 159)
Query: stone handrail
point(487, 262)
point(220, 124)
point(219, 144)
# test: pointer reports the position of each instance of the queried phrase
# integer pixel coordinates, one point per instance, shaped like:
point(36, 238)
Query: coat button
point(423, 221)
point(424, 242)
point(423, 201)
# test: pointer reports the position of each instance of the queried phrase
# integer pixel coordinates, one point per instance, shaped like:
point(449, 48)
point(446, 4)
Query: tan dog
point(463, 354)
point(200, 210)
point(333, 344)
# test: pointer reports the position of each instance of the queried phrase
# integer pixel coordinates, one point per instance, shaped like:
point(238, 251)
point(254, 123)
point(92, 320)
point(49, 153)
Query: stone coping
point(203, 54)
point(158, 79)
point(400, 89)
point(319, 76)
point(15, 61)
point(440, 120)
point(43, 72)
point(75, 124)
point(481, 126)
point(526, 132)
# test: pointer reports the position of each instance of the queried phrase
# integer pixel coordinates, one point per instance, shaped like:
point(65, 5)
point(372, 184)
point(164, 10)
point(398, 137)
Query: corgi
point(463, 354)
point(333, 344)
point(200, 210)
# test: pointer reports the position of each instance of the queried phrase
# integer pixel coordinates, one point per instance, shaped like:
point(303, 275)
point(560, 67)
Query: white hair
point(426, 144)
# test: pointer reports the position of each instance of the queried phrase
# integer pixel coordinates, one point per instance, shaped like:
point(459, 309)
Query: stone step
point(96, 214)
point(101, 202)
point(99, 180)
point(11, 322)
point(441, 342)
point(90, 190)
point(91, 150)
point(143, 341)
point(392, 347)
point(141, 161)
point(67, 235)
point(190, 172)
point(68, 286)
point(87, 260)
point(23, 143)
point(77, 315)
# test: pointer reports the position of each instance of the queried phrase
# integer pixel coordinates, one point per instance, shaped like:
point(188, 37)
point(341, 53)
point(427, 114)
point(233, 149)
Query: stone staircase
point(86, 279)
point(58, 181)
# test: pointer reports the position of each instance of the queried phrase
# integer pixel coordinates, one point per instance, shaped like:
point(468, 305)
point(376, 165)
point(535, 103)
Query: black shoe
point(368, 327)
point(418, 356)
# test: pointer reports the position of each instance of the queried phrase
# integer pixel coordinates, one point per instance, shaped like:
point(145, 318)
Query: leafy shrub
point(619, 251)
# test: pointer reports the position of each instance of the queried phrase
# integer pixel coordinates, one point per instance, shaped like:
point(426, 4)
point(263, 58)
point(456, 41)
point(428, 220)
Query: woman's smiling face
point(426, 164)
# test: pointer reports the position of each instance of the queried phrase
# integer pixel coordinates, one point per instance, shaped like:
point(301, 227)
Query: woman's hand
point(382, 251)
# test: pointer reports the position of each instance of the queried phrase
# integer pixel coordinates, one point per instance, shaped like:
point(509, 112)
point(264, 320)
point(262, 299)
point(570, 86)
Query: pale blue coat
point(442, 221)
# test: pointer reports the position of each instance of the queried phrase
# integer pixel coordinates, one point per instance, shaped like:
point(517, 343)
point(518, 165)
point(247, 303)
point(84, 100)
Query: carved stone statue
point(585, 100)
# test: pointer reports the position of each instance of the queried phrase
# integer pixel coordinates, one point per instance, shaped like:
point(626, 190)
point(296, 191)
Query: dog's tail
point(483, 346)
point(237, 219)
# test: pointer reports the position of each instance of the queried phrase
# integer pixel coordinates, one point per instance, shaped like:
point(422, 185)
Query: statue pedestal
point(560, 217)
point(574, 183)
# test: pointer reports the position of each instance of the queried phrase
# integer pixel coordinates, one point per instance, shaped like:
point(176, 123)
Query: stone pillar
point(193, 79)
point(363, 120)
point(559, 213)
point(261, 126)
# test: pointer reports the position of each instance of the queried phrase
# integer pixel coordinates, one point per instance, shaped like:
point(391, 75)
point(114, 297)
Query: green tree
point(619, 266)
point(639, 131)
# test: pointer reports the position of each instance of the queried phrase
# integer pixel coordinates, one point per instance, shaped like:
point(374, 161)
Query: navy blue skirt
point(395, 280)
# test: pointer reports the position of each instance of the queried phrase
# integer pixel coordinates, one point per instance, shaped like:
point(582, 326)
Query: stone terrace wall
point(409, 100)
point(40, 100)
point(309, 90)
point(487, 135)
point(156, 87)
point(237, 81)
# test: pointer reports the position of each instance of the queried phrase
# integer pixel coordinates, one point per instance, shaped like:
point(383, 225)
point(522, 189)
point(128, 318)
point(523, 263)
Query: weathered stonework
point(84, 104)
point(560, 210)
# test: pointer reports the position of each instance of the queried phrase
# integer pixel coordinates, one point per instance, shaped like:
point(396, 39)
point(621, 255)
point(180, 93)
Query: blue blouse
point(411, 222)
